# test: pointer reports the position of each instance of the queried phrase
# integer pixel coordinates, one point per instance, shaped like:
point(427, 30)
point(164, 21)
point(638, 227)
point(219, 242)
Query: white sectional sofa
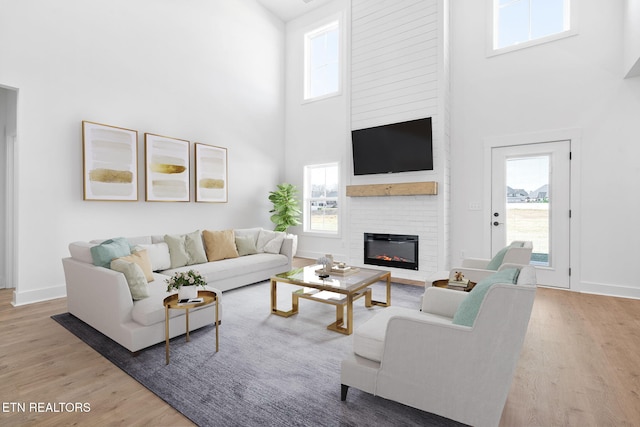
point(101, 297)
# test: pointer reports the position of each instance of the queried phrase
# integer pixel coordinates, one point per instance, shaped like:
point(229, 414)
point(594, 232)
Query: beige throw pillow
point(220, 244)
point(141, 258)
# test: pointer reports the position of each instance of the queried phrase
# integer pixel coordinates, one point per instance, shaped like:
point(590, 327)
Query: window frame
point(317, 30)
point(307, 199)
point(492, 34)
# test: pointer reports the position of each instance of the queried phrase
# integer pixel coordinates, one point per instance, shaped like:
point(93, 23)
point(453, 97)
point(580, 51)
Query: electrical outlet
point(475, 206)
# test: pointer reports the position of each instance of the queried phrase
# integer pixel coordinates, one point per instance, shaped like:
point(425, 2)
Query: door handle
point(496, 223)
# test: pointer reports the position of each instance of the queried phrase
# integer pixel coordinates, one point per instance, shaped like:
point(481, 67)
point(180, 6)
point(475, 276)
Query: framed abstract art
point(167, 169)
point(211, 173)
point(110, 162)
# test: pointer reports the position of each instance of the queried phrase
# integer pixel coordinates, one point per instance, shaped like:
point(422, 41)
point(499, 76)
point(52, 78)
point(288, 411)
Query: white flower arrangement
point(185, 278)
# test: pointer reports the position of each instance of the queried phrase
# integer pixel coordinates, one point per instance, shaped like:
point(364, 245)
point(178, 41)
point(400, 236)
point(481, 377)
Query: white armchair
point(424, 360)
point(476, 269)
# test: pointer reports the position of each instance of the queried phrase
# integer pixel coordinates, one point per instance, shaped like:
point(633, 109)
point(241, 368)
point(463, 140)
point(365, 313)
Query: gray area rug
point(270, 370)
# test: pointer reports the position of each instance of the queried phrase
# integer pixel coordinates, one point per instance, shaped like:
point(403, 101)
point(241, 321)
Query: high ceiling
point(289, 9)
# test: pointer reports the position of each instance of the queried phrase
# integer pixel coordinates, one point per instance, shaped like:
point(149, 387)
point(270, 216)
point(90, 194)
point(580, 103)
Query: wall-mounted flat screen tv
point(392, 148)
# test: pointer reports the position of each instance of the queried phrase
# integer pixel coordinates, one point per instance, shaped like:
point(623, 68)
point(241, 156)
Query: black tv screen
point(397, 147)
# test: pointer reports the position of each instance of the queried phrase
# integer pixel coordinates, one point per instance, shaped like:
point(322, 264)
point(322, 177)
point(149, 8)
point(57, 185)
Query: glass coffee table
point(338, 290)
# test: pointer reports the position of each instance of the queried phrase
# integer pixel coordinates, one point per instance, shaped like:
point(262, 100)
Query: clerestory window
point(322, 61)
point(522, 23)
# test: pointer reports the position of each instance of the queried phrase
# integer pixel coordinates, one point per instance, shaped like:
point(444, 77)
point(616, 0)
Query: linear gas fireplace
point(391, 250)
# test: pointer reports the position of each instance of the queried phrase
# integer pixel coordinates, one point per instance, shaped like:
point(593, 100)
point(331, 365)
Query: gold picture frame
point(211, 177)
point(167, 169)
point(110, 162)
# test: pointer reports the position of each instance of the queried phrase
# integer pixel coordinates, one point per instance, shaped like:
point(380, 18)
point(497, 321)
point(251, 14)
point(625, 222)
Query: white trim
point(38, 295)
point(610, 290)
point(572, 134)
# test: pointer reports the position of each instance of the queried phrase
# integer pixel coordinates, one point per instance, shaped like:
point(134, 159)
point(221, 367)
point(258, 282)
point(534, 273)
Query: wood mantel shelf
point(427, 188)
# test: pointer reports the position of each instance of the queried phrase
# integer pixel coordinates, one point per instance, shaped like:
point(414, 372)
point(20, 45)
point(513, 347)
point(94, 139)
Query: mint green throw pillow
point(496, 261)
point(469, 307)
point(136, 279)
point(103, 253)
point(186, 249)
point(246, 245)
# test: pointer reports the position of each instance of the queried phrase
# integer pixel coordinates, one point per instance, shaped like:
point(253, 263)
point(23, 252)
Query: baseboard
point(610, 290)
point(38, 295)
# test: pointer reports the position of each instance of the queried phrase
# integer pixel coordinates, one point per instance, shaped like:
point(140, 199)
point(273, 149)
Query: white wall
point(574, 83)
point(209, 72)
point(316, 132)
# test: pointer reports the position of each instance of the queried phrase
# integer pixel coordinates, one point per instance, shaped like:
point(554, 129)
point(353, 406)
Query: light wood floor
point(580, 366)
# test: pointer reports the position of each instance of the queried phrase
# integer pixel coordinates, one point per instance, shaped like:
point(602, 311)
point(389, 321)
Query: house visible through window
point(521, 21)
point(321, 191)
point(322, 61)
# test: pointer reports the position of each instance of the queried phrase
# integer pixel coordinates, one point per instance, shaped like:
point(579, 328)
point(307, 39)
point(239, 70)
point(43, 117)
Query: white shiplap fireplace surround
point(400, 72)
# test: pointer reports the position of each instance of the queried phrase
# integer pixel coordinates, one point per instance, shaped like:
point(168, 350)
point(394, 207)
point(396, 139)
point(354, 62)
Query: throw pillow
point(135, 278)
point(270, 241)
point(106, 251)
point(158, 255)
point(220, 244)
point(469, 307)
point(186, 249)
point(140, 257)
point(246, 245)
point(496, 261)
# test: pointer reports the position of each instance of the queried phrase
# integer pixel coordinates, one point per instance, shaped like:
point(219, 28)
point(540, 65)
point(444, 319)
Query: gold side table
point(171, 302)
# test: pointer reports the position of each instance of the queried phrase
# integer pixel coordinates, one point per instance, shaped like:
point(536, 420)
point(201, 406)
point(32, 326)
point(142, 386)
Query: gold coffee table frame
point(352, 287)
point(171, 302)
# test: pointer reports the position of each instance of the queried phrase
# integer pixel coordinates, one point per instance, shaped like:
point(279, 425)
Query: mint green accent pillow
point(469, 307)
point(186, 249)
point(136, 279)
point(246, 245)
point(496, 261)
point(106, 251)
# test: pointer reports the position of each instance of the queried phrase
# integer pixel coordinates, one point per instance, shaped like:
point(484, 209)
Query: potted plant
point(186, 283)
point(286, 210)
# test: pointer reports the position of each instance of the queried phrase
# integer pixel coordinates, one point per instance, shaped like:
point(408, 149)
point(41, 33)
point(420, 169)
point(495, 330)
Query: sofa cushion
point(158, 255)
point(469, 307)
point(270, 241)
point(135, 277)
point(246, 245)
point(108, 250)
point(226, 268)
point(219, 244)
point(368, 338)
point(186, 249)
point(140, 257)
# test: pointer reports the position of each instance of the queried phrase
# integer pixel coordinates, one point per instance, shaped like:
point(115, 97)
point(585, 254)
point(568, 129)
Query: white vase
point(187, 292)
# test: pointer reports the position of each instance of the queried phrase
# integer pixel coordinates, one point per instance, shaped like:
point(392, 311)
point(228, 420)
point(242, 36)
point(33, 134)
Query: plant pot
point(187, 292)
